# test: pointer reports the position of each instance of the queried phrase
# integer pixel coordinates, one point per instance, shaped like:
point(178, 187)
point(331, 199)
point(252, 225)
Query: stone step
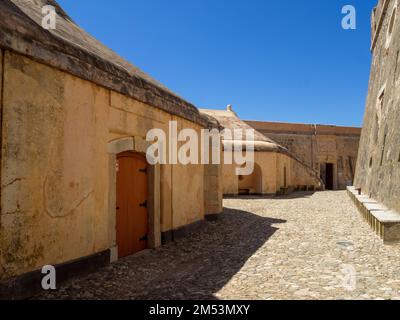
point(385, 222)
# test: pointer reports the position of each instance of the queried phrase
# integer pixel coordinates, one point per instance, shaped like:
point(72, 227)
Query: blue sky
point(272, 60)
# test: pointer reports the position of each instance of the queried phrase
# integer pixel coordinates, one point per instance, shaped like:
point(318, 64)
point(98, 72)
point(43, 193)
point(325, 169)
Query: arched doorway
point(251, 184)
point(136, 146)
point(131, 203)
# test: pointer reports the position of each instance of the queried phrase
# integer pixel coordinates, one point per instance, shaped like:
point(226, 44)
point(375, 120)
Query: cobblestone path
point(305, 246)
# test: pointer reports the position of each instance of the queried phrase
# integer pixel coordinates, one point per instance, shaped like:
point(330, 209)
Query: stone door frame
point(138, 145)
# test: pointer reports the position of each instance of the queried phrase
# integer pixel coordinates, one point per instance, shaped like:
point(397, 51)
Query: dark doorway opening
point(284, 177)
point(329, 176)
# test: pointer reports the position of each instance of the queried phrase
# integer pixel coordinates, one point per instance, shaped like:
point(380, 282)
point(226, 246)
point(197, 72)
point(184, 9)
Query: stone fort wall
point(317, 145)
point(378, 168)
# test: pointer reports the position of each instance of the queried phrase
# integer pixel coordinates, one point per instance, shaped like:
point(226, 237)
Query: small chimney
point(229, 108)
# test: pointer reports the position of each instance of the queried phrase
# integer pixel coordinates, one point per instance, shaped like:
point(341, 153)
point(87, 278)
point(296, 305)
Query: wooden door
point(132, 215)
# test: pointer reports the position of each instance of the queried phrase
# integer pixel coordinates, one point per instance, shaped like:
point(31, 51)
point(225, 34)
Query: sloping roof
point(267, 127)
point(229, 120)
point(73, 50)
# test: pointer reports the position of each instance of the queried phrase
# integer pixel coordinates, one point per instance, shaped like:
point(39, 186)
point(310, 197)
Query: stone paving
point(304, 246)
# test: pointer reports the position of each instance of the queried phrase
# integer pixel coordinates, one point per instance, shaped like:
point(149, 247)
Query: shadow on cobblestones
point(236, 238)
point(196, 267)
point(293, 195)
point(260, 249)
point(297, 195)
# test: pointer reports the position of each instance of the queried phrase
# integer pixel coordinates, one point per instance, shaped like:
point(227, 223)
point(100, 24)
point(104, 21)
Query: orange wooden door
point(132, 215)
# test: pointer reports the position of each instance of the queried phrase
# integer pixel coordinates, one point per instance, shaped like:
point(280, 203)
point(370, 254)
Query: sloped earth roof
point(229, 120)
point(73, 50)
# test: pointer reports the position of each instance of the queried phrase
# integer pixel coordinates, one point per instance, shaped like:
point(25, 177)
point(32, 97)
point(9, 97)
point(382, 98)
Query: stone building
point(78, 192)
point(330, 150)
point(377, 175)
point(276, 169)
point(76, 189)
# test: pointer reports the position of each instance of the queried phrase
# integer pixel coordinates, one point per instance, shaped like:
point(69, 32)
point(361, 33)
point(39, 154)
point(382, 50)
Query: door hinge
point(143, 170)
point(143, 205)
point(144, 238)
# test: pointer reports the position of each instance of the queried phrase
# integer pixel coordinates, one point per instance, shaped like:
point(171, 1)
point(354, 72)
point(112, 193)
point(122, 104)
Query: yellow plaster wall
point(53, 193)
point(55, 166)
point(229, 179)
point(134, 118)
point(283, 161)
point(267, 163)
point(187, 187)
point(272, 171)
point(213, 190)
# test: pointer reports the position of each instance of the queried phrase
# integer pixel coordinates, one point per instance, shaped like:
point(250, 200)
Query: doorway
point(251, 184)
point(329, 176)
point(131, 203)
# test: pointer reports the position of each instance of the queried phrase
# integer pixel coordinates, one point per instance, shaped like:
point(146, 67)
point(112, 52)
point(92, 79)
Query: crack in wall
point(12, 182)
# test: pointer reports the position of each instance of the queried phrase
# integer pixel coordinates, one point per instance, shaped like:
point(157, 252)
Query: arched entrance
point(251, 184)
point(132, 201)
point(131, 177)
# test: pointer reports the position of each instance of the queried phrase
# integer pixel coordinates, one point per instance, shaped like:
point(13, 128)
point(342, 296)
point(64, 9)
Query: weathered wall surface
point(187, 187)
point(378, 166)
point(302, 176)
point(128, 117)
point(346, 160)
point(132, 118)
point(53, 202)
point(55, 166)
point(273, 171)
point(268, 162)
point(213, 189)
point(265, 166)
point(283, 172)
point(230, 183)
point(317, 144)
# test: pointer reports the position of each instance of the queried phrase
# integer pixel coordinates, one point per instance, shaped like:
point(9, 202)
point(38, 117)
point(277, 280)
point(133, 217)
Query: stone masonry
point(317, 146)
point(378, 167)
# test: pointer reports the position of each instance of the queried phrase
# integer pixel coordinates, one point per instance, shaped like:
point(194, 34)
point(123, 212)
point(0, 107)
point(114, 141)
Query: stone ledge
point(385, 222)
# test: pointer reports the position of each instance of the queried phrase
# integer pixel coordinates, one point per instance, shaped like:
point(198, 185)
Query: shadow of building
point(195, 267)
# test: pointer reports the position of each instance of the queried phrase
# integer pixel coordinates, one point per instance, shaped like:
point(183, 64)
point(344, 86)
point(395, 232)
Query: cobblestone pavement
point(305, 246)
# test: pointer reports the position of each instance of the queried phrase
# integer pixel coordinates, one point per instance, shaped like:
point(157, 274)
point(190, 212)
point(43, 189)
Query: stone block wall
point(378, 167)
point(316, 145)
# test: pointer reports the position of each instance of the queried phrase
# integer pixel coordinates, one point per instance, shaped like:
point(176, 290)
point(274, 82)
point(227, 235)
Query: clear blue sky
point(272, 60)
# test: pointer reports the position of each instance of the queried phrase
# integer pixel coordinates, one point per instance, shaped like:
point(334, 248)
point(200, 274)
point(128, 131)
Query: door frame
point(331, 160)
point(332, 178)
point(137, 145)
